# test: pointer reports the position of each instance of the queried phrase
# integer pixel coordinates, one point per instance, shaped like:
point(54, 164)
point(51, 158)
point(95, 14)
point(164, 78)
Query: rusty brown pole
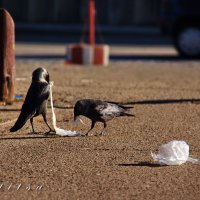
point(91, 22)
point(7, 57)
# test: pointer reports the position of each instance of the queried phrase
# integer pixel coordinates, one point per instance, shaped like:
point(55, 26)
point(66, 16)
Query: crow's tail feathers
point(17, 126)
point(19, 123)
point(126, 107)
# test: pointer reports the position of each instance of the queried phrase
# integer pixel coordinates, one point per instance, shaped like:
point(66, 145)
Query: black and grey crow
point(36, 100)
point(99, 111)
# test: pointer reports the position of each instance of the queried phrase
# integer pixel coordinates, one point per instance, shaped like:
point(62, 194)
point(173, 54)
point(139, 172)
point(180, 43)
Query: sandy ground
point(165, 96)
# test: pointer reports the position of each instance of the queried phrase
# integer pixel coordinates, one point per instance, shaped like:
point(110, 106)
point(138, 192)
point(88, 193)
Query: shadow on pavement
point(147, 57)
point(159, 101)
point(29, 137)
point(140, 164)
point(62, 107)
point(132, 57)
point(41, 57)
point(165, 101)
point(9, 110)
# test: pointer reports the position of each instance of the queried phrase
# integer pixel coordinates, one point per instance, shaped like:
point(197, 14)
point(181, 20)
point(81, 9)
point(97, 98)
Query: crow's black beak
point(78, 120)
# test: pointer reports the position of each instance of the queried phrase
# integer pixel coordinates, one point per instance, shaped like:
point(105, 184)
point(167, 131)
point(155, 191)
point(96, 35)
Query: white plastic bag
point(174, 153)
point(59, 131)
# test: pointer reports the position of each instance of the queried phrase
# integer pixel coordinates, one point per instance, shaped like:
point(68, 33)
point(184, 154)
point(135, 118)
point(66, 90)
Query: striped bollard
point(88, 54)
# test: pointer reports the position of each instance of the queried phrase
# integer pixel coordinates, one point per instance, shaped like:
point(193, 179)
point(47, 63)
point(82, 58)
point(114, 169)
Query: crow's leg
point(45, 120)
point(31, 120)
point(104, 127)
point(92, 126)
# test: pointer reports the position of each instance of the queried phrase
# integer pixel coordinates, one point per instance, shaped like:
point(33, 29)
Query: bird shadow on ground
point(62, 107)
point(160, 101)
point(29, 136)
point(9, 110)
point(140, 164)
point(17, 110)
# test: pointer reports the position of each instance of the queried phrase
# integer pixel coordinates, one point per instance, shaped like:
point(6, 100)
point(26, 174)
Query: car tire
point(187, 41)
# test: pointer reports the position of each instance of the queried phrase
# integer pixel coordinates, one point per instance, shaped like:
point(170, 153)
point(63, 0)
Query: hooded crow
point(36, 100)
point(99, 111)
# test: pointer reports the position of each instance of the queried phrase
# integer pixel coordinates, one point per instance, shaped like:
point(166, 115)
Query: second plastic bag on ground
point(174, 153)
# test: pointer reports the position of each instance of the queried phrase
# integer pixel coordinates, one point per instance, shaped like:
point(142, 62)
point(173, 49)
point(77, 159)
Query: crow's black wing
point(37, 93)
point(93, 109)
point(106, 111)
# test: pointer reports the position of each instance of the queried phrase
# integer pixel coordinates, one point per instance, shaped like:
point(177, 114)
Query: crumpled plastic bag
point(59, 131)
point(174, 153)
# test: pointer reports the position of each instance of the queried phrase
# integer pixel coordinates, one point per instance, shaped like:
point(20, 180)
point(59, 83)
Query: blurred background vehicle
point(181, 20)
point(130, 22)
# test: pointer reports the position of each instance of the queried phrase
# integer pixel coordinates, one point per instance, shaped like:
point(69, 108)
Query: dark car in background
point(181, 20)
